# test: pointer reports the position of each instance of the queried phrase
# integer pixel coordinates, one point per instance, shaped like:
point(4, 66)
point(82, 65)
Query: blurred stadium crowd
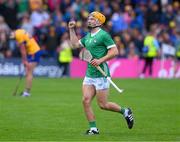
point(128, 21)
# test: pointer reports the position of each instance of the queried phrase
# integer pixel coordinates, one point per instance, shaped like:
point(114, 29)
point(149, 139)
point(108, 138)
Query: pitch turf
point(54, 111)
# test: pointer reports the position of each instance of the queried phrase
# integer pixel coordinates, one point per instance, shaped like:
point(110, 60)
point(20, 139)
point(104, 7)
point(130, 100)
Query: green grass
point(54, 111)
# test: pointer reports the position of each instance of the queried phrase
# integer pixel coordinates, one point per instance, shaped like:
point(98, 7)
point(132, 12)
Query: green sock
point(122, 110)
point(92, 124)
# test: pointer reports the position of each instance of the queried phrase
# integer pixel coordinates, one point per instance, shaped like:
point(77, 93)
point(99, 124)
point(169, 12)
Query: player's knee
point(102, 106)
point(86, 100)
point(29, 75)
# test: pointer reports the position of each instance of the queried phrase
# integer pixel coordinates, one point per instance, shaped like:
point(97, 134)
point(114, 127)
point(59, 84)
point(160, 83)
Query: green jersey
point(98, 44)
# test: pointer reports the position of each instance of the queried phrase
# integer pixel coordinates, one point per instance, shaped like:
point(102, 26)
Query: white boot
point(25, 94)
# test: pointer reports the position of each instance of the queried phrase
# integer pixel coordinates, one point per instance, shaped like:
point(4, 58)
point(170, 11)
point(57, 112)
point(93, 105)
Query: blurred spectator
point(120, 46)
point(177, 46)
point(126, 38)
point(64, 5)
point(65, 55)
point(138, 38)
point(168, 50)
point(151, 50)
point(106, 9)
point(5, 51)
point(76, 7)
point(53, 4)
point(128, 14)
point(140, 14)
point(137, 21)
point(4, 48)
point(69, 14)
point(132, 51)
point(10, 14)
point(153, 15)
point(61, 28)
point(57, 17)
point(168, 15)
point(117, 20)
point(176, 6)
point(51, 42)
point(22, 7)
point(26, 24)
point(35, 4)
point(2, 7)
point(177, 19)
point(172, 32)
point(4, 28)
point(40, 20)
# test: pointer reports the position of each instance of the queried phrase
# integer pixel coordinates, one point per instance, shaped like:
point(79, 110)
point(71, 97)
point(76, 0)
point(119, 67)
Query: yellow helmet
point(19, 33)
point(98, 16)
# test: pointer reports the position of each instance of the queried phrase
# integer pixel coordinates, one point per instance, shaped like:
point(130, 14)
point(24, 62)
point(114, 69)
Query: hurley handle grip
point(100, 69)
point(109, 79)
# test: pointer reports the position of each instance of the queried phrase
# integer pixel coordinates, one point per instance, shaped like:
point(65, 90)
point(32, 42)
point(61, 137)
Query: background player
point(30, 53)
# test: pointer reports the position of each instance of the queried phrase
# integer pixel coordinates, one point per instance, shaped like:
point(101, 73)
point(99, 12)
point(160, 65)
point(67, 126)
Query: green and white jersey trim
point(93, 34)
point(81, 43)
point(111, 46)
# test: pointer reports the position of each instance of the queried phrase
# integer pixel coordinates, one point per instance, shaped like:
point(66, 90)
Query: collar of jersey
point(95, 33)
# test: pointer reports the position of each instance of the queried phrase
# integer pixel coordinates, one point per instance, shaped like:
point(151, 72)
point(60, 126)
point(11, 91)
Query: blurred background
point(128, 21)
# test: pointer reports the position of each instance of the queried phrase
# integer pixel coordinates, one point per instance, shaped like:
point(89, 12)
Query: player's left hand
point(95, 62)
point(25, 63)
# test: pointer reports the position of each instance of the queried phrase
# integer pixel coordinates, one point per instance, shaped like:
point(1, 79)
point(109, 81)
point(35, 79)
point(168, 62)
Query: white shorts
point(99, 83)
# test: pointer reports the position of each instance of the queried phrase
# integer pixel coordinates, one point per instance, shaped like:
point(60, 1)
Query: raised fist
point(72, 24)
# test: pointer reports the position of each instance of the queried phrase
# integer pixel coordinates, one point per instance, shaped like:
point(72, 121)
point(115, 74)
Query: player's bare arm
point(112, 52)
point(73, 37)
point(23, 54)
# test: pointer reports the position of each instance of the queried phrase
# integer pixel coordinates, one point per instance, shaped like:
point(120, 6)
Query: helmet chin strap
point(90, 28)
point(97, 25)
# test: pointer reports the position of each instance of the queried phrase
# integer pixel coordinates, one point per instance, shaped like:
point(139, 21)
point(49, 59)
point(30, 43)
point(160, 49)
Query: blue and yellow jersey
point(22, 37)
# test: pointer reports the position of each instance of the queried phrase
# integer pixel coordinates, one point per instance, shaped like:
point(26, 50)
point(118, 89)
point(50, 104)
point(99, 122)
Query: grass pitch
point(54, 111)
